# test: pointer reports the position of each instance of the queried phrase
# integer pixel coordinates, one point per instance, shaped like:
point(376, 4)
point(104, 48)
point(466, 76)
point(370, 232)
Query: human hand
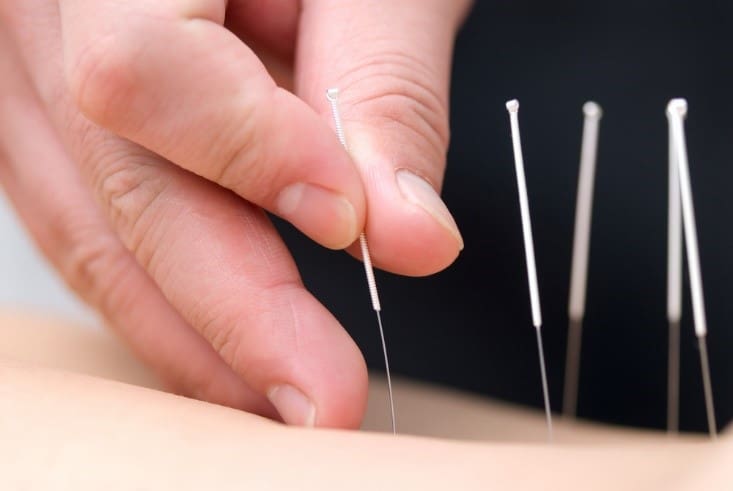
point(139, 141)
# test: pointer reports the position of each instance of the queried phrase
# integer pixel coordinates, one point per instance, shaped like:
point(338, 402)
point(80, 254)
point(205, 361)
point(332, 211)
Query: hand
point(139, 141)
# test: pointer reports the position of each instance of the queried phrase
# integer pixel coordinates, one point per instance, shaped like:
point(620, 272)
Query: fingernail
point(324, 215)
point(418, 191)
point(294, 407)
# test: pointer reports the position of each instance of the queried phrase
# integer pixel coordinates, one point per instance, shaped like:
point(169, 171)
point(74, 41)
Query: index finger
point(168, 76)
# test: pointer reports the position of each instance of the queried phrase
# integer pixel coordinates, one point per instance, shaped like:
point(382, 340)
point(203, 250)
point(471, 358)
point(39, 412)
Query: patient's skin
point(66, 430)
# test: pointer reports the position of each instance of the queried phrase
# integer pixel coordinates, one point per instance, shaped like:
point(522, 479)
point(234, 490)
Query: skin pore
point(78, 412)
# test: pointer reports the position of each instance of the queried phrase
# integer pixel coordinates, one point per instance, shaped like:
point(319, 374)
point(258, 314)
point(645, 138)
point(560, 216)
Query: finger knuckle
point(130, 190)
point(242, 162)
point(256, 338)
point(99, 77)
point(221, 331)
point(396, 88)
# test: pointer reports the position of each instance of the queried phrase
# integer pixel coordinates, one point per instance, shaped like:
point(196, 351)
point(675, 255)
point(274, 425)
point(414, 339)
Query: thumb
point(391, 62)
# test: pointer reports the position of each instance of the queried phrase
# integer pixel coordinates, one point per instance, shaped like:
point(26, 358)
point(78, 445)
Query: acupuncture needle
point(534, 294)
point(676, 112)
point(332, 96)
point(592, 114)
point(674, 286)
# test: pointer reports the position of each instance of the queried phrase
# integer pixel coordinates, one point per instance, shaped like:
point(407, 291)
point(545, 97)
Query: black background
point(470, 326)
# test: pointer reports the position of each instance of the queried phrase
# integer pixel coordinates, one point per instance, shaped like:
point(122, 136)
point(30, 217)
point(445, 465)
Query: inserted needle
point(674, 286)
point(332, 96)
point(581, 244)
point(534, 294)
point(676, 112)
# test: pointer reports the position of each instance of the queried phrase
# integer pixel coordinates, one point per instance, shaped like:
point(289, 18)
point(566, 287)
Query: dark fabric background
point(470, 326)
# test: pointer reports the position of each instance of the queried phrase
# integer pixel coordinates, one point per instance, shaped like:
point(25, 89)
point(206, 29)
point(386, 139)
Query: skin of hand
point(141, 140)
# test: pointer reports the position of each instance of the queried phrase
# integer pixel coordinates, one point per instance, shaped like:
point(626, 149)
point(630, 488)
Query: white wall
point(26, 280)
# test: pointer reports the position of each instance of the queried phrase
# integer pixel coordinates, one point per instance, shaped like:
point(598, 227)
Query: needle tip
point(592, 110)
point(678, 106)
point(512, 106)
point(332, 94)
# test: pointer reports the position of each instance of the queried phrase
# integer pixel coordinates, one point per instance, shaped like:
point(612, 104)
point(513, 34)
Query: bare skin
point(86, 432)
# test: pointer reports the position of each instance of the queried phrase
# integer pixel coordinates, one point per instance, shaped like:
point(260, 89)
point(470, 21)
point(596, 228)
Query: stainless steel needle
point(581, 248)
point(676, 112)
point(332, 96)
point(534, 294)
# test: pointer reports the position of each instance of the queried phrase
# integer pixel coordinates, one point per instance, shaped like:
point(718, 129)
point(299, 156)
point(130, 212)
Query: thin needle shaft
point(676, 112)
point(389, 378)
point(534, 294)
point(674, 287)
point(332, 96)
point(581, 248)
point(673, 378)
point(707, 386)
point(545, 389)
point(572, 367)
